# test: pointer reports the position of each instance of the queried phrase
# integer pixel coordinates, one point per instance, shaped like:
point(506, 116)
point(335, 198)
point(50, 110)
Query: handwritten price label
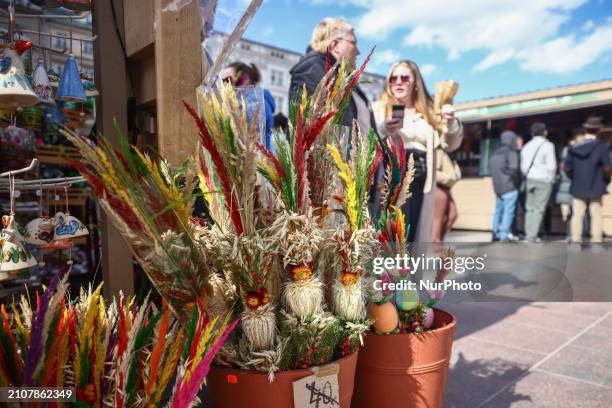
point(317, 391)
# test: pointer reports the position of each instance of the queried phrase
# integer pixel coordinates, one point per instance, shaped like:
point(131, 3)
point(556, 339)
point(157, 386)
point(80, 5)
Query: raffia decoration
point(259, 327)
point(348, 300)
point(303, 298)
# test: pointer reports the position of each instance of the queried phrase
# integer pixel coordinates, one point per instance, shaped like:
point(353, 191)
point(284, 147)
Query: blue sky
point(491, 47)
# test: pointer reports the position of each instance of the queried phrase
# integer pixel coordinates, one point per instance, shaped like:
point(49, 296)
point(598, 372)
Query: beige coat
point(418, 133)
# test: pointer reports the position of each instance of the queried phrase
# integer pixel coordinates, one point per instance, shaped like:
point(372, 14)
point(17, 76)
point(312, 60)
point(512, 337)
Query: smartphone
point(397, 112)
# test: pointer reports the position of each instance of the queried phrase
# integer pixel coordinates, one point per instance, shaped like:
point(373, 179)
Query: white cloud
point(588, 25)
point(567, 54)
point(384, 59)
point(507, 30)
point(427, 69)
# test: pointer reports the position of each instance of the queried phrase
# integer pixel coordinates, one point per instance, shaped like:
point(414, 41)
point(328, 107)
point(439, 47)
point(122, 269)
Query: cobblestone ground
point(533, 354)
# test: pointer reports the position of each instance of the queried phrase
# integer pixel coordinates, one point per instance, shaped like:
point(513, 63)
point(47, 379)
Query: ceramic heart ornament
point(15, 255)
point(40, 231)
point(67, 226)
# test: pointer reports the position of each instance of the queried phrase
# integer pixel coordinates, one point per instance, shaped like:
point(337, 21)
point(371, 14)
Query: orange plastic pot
point(405, 370)
point(232, 388)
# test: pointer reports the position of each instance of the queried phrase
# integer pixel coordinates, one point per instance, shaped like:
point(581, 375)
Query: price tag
point(320, 390)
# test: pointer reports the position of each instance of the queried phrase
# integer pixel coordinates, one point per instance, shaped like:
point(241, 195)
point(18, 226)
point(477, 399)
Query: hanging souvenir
point(30, 117)
point(15, 254)
point(67, 226)
point(22, 46)
point(42, 85)
point(15, 89)
point(70, 86)
point(40, 231)
point(76, 5)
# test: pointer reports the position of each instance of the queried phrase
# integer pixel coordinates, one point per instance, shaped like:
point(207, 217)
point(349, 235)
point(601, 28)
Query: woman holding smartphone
point(414, 122)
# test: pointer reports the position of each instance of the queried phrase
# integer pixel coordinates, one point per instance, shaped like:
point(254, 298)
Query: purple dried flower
point(35, 350)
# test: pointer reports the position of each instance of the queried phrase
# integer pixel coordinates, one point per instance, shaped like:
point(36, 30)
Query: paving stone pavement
point(530, 354)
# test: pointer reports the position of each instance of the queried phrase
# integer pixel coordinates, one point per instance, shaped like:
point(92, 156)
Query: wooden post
point(178, 66)
point(111, 104)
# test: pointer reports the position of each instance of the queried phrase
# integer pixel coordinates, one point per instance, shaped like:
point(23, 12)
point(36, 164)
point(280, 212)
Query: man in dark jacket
point(505, 170)
point(588, 166)
point(333, 39)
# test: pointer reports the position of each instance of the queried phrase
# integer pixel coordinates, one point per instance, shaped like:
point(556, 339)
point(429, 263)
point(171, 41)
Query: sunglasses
point(228, 79)
point(405, 79)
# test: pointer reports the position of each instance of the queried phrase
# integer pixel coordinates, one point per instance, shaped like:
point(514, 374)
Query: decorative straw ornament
point(70, 86)
point(259, 327)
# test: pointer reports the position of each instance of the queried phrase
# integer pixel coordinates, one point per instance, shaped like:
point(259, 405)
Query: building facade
point(60, 31)
point(275, 63)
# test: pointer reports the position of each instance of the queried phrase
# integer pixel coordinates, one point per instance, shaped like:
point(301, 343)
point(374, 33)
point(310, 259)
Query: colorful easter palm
point(228, 180)
point(125, 355)
point(151, 206)
point(355, 240)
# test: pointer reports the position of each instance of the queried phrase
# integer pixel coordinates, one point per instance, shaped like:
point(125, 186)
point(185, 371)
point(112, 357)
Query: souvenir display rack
point(28, 133)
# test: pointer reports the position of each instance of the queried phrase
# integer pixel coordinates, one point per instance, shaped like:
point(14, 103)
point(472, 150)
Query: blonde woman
point(413, 119)
point(333, 39)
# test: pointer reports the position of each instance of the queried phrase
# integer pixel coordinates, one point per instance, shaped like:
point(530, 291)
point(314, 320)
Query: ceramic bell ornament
point(42, 85)
point(15, 256)
point(67, 226)
point(70, 85)
point(40, 231)
point(15, 89)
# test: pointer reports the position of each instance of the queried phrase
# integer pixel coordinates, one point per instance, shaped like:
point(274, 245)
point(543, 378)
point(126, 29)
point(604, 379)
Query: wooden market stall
point(147, 61)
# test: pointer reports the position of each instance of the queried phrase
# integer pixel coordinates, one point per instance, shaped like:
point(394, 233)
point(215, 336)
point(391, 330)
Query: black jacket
point(504, 165)
point(309, 71)
point(586, 162)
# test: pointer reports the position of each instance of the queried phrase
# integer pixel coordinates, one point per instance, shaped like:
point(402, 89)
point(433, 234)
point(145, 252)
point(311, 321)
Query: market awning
point(547, 101)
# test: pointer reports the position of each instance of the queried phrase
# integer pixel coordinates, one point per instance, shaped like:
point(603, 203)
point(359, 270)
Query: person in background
point(333, 39)
point(241, 74)
point(445, 211)
point(505, 171)
point(281, 123)
point(564, 196)
point(539, 167)
point(589, 168)
point(520, 203)
point(405, 86)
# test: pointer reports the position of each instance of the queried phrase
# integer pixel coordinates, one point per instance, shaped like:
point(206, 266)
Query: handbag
point(448, 171)
point(420, 163)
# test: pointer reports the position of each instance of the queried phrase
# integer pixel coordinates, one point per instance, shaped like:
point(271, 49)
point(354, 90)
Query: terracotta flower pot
point(232, 388)
point(405, 370)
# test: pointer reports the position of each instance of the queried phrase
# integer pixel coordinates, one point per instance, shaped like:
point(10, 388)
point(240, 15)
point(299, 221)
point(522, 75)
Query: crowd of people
point(577, 182)
point(523, 176)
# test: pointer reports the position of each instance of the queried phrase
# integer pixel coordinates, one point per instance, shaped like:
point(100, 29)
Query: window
point(87, 47)
point(60, 43)
point(276, 78)
point(280, 104)
point(277, 54)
